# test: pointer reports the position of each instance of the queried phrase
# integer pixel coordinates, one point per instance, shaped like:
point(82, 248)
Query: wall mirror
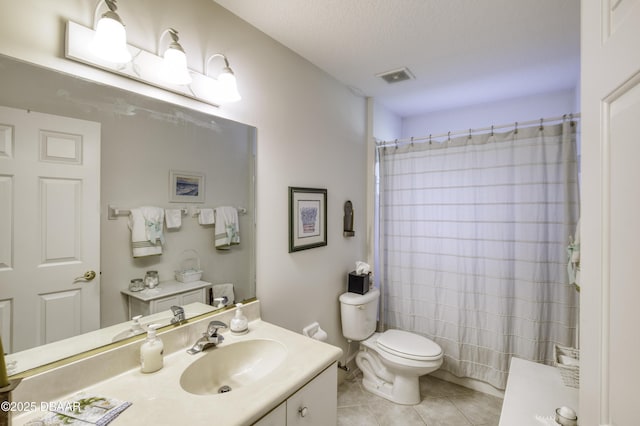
point(141, 143)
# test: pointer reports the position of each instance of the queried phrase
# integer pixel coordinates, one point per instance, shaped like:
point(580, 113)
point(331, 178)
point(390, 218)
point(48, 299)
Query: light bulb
point(110, 40)
point(228, 88)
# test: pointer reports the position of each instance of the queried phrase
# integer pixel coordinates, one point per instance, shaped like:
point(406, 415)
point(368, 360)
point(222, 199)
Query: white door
point(610, 296)
point(49, 227)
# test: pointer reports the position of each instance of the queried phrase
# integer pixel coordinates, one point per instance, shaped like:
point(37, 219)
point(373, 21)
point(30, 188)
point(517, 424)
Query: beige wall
point(311, 132)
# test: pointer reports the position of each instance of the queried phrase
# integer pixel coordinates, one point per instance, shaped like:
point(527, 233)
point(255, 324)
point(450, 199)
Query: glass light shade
point(228, 89)
point(110, 41)
point(174, 67)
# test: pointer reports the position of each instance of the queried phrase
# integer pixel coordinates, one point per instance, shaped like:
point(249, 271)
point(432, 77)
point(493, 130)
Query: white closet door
point(49, 227)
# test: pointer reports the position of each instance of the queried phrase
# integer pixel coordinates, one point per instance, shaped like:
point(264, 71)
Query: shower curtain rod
point(448, 135)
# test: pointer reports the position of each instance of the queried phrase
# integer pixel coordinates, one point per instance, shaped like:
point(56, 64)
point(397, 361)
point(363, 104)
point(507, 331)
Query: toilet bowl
point(391, 362)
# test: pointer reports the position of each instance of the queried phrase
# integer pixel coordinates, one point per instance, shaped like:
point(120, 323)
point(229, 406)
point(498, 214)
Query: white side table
point(166, 294)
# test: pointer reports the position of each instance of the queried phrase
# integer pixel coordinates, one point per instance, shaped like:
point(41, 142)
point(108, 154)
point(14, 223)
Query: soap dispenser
point(135, 329)
point(239, 324)
point(151, 351)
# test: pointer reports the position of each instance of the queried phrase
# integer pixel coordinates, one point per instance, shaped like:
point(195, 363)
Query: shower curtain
point(472, 245)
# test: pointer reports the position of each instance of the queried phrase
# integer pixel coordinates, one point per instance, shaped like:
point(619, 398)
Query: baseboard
point(474, 384)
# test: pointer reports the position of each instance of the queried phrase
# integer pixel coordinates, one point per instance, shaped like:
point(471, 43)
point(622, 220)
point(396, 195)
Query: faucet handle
point(214, 326)
point(178, 314)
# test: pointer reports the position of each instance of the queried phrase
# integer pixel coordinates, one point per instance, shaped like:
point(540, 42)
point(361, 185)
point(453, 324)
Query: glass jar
point(136, 284)
point(151, 279)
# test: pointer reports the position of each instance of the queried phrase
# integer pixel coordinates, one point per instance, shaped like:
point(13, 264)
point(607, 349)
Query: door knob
point(303, 411)
point(88, 276)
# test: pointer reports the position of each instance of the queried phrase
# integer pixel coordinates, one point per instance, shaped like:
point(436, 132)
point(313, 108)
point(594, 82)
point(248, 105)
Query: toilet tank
point(359, 314)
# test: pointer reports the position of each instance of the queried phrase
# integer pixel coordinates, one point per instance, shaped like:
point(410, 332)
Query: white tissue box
point(188, 275)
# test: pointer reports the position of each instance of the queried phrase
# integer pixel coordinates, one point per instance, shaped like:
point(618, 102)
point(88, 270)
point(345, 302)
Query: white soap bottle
point(151, 351)
point(239, 323)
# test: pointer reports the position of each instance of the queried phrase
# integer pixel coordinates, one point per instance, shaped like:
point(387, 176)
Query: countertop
point(534, 390)
point(157, 398)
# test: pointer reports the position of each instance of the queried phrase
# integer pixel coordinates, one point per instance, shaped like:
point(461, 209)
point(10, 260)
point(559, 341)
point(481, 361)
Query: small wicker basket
point(189, 267)
point(567, 360)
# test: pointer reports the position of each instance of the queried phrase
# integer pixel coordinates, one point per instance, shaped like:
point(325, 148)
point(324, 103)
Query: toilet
point(391, 362)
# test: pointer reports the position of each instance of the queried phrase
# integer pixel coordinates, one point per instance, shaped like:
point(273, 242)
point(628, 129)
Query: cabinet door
point(165, 303)
point(315, 404)
point(277, 417)
point(193, 296)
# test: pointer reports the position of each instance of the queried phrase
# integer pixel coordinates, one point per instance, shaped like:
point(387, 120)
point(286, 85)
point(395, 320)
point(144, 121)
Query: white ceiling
point(461, 52)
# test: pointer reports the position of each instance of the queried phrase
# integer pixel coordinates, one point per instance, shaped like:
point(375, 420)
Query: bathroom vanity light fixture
point(110, 38)
point(150, 67)
point(174, 64)
point(225, 88)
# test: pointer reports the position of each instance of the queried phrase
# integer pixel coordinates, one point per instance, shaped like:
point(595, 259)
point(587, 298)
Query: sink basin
point(230, 367)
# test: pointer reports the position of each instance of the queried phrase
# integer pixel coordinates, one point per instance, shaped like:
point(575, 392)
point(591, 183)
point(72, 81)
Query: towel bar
point(241, 210)
point(114, 212)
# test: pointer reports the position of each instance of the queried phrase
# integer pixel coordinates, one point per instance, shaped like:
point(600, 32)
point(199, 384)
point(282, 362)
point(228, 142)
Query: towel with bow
point(227, 231)
point(573, 258)
point(147, 236)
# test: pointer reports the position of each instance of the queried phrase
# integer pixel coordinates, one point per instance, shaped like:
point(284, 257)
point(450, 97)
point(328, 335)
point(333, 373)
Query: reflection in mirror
point(138, 146)
point(65, 348)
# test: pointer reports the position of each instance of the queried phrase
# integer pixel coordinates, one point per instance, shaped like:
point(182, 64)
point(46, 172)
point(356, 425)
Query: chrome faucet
point(178, 314)
point(209, 338)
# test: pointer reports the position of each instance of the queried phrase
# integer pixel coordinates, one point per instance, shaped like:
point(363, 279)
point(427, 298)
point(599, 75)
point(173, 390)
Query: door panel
point(61, 224)
point(60, 315)
point(623, 127)
point(6, 222)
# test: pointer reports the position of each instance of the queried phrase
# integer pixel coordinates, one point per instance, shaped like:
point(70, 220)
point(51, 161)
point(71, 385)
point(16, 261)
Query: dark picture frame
point(307, 218)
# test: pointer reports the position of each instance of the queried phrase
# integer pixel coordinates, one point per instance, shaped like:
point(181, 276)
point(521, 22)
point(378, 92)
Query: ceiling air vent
point(396, 76)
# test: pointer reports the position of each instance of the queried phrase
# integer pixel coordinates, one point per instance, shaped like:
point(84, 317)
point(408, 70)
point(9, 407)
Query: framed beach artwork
point(307, 218)
point(186, 187)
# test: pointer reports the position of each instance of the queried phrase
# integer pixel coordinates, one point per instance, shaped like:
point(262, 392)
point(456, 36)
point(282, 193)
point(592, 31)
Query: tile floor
point(443, 404)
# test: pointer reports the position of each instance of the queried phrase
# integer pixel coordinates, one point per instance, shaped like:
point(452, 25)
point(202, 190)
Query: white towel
point(573, 255)
point(173, 218)
point(227, 232)
point(146, 231)
point(206, 217)
point(225, 290)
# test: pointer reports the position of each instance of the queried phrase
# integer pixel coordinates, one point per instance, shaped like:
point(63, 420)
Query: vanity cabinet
point(315, 404)
point(164, 296)
point(276, 417)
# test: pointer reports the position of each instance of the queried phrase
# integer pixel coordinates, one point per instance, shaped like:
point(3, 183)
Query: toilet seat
point(408, 345)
